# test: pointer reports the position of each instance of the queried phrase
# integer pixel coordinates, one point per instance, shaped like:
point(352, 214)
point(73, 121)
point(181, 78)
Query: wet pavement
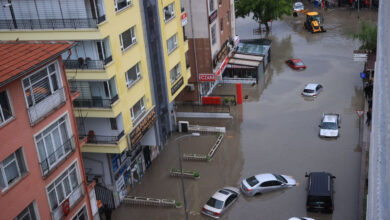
point(275, 130)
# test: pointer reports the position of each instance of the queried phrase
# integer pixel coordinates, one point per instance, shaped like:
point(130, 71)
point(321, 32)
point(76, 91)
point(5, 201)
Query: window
point(41, 84)
point(81, 215)
point(221, 24)
point(187, 60)
point(5, 107)
point(137, 109)
point(133, 74)
point(54, 143)
point(220, 2)
point(172, 43)
point(169, 12)
point(119, 4)
point(104, 50)
point(12, 169)
point(211, 5)
point(128, 38)
point(113, 123)
point(228, 17)
point(175, 73)
point(62, 187)
point(28, 213)
point(213, 37)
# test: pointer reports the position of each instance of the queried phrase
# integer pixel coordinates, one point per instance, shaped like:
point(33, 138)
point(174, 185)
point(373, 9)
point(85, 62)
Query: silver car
point(298, 6)
point(330, 124)
point(220, 201)
point(266, 182)
point(301, 218)
point(312, 90)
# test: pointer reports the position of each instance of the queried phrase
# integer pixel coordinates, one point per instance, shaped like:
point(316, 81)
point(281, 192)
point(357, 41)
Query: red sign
point(223, 66)
point(359, 113)
point(211, 100)
point(183, 18)
point(205, 77)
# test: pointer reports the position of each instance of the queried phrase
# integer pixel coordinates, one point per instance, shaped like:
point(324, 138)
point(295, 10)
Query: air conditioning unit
point(191, 87)
point(183, 126)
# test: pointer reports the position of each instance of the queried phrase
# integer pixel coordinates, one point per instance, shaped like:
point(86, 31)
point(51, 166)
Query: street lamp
point(181, 169)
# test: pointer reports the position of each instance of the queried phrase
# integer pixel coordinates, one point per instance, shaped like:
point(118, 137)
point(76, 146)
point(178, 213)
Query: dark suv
point(320, 192)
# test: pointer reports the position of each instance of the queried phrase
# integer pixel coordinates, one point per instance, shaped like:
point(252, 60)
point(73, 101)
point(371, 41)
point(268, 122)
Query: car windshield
point(252, 181)
point(218, 204)
point(308, 91)
point(299, 64)
point(280, 178)
point(298, 4)
point(329, 125)
point(317, 17)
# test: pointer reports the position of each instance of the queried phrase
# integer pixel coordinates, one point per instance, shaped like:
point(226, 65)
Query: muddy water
point(275, 130)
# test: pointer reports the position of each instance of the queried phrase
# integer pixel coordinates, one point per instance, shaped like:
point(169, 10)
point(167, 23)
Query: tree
point(367, 36)
point(263, 10)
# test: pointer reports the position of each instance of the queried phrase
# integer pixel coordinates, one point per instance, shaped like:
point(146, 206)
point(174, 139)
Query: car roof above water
point(221, 195)
point(265, 177)
point(311, 86)
point(320, 184)
point(330, 118)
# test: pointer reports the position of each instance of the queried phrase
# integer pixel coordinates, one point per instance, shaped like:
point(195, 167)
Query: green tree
point(367, 36)
point(263, 10)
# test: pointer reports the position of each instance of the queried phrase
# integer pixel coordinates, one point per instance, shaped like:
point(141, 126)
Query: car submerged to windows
point(312, 90)
point(298, 6)
point(265, 182)
point(220, 201)
point(329, 126)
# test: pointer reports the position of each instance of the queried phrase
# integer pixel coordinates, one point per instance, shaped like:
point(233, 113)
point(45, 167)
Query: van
point(320, 192)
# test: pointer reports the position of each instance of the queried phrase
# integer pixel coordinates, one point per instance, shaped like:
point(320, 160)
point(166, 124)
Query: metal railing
point(57, 156)
point(105, 195)
point(193, 107)
point(90, 64)
point(45, 106)
point(95, 102)
point(74, 198)
point(101, 139)
point(34, 24)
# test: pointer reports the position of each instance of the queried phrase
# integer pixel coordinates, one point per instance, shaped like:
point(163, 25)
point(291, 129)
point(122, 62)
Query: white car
point(330, 124)
point(312, 90)
point(265, 182)
point(298, 6)
point(221, 201)
point(301, 218)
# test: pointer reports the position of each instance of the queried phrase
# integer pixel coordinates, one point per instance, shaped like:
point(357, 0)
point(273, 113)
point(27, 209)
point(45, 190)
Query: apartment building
point(41, 168)
point(128, 64)
point(210, 32)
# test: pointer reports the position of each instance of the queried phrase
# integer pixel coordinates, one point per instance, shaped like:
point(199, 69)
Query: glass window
point(213, 36)
point(5, 107)
point(128, 38)
point(28, 213)
point(119, 4)
point(81, 215)
point(104, 50)
point(12, 168)
point(137, 109)
point(133, 74)
point(175, 73)
point(172, 43)
point(252, 181)
point(211, 5)
point(221, 24)
point(218, 204)
point(169, 12)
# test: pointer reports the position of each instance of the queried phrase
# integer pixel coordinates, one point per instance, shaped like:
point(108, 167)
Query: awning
point(248, 57)
point(252, 63)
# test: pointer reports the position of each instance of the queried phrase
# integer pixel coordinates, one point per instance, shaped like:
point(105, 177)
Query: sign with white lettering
point(206, 77)
point(183, 18)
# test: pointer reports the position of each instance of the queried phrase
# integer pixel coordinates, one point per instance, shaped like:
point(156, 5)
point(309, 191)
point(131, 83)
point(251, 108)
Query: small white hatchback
point(312, 90)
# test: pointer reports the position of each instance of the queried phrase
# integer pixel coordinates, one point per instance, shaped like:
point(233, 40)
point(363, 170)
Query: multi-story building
point(128, 65)
point(210, 32)
point(41, 168)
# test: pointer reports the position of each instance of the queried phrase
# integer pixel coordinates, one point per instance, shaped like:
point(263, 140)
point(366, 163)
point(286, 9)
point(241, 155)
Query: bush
point(196, 174)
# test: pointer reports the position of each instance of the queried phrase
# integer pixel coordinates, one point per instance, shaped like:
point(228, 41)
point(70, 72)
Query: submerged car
point(301, 218)
point(220, 201)
point(265, 182)
point(298, 6)
point(312, 90)
point(319, 192)
point(330, 124)
point(296, 64)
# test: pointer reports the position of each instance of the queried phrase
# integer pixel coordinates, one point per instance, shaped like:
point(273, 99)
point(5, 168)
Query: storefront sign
point(120, 187)
point(206, 77)
point(177, 86)
point(222, 67)
point(139, 131)
point(222, 53)
point(183, 18)
point(213, 16)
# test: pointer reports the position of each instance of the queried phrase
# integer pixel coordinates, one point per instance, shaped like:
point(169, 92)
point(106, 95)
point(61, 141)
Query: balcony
point(36, 24)
point(59, 155)
point(85, 64)
point(95, 102)
point(47, 105)
point(74, 198)
point(101, 139)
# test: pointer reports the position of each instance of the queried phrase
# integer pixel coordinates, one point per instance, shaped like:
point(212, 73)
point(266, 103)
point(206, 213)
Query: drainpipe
point(194, 44)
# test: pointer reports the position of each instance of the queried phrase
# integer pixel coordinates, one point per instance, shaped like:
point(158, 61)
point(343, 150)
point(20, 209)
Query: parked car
point(330, 124)
point(220, 201)
point(301, 218)
point(298, 6)
point(265, 182)
point(319, 192)
point(296, 64)
point(312, 90)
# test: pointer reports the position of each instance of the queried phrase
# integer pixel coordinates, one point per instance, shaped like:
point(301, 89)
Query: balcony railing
point(95, 102)
point(34, 24)
point(57, 156)
point(90, 64)
point(74, 198)
point(100, 139)
point(44, 107)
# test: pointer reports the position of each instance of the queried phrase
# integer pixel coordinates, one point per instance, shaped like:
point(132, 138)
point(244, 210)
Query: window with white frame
point(81, 215)
point(137, 109)
point(213, 36)
point(41, 84)
point(63, 186)
point(172, 43)
point(169, 12)
point(5, 107)
point(133, 74)
point(175, 73)
point(54, 143)
point(119, 4)
point(12, 169)
point(128, 38)
point(29, 213)
point(211, 5)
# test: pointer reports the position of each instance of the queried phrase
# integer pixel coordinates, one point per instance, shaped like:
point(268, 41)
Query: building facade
point(210, 32)
point(128, 65)
point(41, 168)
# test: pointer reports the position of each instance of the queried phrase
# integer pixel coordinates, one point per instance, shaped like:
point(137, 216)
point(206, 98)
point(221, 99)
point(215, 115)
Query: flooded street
point(275, 130)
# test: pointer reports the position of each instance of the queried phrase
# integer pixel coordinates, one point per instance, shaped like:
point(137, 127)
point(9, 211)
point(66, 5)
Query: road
point(276, 130)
